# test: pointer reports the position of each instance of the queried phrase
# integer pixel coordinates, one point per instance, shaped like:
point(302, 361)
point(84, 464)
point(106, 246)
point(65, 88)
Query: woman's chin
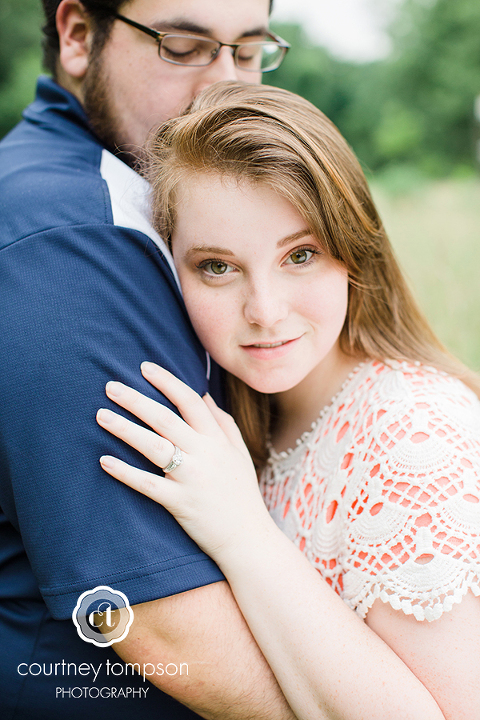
point(270, 385)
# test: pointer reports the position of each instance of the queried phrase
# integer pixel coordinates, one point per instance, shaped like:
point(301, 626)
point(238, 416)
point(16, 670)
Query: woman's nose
point(265, 305)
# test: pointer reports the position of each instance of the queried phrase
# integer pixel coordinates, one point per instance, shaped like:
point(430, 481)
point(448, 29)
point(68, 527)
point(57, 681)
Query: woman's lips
point(270, 350)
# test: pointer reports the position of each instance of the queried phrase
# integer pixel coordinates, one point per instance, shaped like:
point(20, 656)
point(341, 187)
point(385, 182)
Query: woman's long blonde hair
point(272, 137)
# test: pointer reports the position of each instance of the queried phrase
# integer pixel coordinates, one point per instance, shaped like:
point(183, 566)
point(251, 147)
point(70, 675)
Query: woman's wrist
point(254, 531)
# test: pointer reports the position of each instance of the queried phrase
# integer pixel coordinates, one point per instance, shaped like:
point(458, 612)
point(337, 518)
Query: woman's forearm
point(329, 664)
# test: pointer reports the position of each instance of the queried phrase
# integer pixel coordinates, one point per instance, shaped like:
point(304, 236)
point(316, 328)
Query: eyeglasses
point(197, 51)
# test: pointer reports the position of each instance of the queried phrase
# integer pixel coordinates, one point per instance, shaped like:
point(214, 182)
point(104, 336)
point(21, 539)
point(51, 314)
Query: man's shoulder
point(49, 177)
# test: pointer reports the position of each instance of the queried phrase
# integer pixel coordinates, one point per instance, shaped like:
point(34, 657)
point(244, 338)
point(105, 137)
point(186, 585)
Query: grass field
point(435, 230)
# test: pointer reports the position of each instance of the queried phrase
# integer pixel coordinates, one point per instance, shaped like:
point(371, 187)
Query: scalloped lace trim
point(383, 495)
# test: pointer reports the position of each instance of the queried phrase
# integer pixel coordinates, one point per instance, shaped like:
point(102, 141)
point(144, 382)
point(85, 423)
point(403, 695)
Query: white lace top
point(383, 494)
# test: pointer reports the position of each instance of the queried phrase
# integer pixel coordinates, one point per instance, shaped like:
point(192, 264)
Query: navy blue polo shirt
point(88, 292)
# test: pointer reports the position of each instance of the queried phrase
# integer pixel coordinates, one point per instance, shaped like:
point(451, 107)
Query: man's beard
point(98, 105)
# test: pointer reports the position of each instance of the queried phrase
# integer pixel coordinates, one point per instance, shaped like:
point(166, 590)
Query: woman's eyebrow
point(217, 250)
point(293, 236)
point(210, 249)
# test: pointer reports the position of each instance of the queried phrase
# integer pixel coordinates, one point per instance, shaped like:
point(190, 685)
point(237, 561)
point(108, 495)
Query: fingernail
point(105, 416)
point(107, 462)
point(149, 368)
point(115, 389)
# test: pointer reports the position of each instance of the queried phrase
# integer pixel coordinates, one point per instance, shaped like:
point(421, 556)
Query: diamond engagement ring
point(176, 460)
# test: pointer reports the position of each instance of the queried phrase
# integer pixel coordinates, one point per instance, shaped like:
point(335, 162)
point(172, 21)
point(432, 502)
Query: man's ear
point(75, 32)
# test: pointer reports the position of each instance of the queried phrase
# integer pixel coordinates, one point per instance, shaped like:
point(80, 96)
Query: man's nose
point(266, 305)
point(222, 68)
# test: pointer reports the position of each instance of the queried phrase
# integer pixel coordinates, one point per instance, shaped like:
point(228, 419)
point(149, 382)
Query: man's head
point(115, 69)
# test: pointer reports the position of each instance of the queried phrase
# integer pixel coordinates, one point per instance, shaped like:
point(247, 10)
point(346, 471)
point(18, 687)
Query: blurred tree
point(20, 57)
point(414, 108)
point(434, 77)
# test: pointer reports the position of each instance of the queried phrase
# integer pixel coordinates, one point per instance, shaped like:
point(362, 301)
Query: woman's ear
point(75, 32)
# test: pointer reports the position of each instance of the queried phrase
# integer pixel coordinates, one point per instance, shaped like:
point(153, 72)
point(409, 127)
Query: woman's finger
point(152, 446)
point(160, 418)
point(227, 424)
point(190, 404)
point(158, 488)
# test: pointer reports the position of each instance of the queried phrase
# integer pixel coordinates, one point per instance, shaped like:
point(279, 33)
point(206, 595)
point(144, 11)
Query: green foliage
point(20, 57)
point(400, 130)
point(415, 107)
point(435, 74)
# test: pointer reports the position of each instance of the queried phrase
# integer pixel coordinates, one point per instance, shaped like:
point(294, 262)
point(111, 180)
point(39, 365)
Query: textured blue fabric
point(82, 302)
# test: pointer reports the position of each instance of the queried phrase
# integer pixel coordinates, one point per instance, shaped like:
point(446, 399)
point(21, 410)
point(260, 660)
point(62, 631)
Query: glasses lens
point(259, 57)
point(188, 50)
point(197, 52)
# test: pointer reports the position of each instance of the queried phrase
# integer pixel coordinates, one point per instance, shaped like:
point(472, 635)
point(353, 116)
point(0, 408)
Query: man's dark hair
point(101, 13)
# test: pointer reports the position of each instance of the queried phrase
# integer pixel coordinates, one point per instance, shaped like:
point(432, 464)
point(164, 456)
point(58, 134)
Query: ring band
point(176, 460)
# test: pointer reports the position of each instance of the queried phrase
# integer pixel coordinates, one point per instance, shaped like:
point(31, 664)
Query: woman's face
point(266, 302)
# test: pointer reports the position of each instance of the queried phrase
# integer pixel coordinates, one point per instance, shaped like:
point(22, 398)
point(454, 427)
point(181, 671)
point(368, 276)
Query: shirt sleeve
point(413, 513)
point(81, 306)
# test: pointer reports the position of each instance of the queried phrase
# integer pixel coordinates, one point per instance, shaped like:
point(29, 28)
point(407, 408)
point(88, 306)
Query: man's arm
point(228, 677)
point(84, 309)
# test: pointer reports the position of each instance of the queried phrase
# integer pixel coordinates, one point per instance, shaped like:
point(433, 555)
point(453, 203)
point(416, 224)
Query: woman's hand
point(214, 492)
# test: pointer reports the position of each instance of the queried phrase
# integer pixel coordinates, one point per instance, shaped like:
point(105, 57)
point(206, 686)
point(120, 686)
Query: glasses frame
point(159, 36)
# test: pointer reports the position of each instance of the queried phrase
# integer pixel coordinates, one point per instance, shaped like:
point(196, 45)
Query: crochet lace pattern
point(383, 494)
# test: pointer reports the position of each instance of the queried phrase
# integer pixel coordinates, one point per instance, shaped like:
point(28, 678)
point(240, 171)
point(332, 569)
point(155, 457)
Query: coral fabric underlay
point(383, 493)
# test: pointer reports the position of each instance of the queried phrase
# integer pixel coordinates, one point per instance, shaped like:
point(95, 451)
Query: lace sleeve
point(413, 514)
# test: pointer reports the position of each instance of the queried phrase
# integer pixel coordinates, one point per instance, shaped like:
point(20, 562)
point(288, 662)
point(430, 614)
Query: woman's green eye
point(301, 256)
point(217, 267)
